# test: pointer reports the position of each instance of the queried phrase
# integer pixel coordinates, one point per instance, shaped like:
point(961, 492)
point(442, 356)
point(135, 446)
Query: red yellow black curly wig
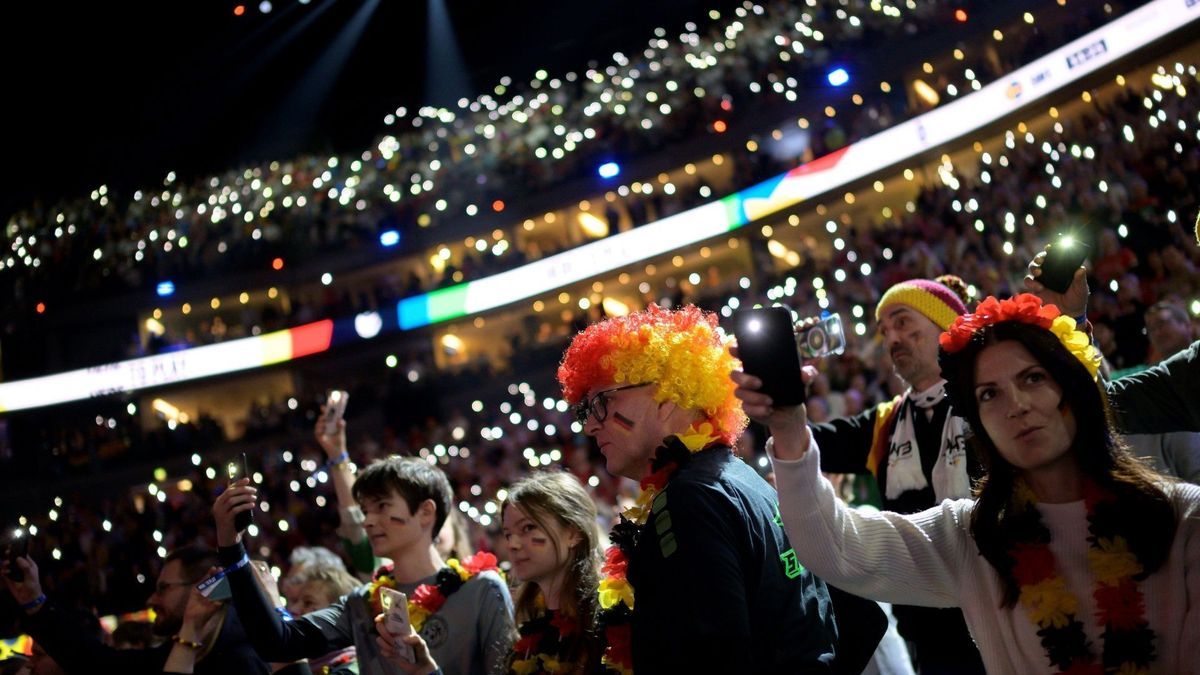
point(679, 350)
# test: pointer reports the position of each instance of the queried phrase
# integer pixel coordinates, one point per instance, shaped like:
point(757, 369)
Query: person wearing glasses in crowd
point(700, 576)
point(217, 647)
point(1073, 556)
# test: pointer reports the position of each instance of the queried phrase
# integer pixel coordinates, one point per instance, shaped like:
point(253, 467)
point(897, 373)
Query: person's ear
point(427, 513)
point(572, 537)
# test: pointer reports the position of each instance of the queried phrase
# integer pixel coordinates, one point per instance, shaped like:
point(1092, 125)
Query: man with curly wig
point(717, 585)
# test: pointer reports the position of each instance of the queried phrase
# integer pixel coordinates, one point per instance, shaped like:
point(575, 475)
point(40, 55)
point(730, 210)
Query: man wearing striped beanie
point(915, 447)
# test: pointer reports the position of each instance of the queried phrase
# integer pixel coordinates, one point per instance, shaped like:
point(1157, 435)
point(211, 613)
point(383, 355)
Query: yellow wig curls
point(679, 350)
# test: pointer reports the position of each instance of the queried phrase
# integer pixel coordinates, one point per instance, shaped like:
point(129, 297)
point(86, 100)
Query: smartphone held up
point(771, 347)
point(16, 545)
point(335, 409)
point(396, 620)
point(235, 471)
point(1063, 258)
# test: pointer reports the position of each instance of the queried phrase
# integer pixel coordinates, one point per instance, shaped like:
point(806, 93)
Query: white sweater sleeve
point(917, 559)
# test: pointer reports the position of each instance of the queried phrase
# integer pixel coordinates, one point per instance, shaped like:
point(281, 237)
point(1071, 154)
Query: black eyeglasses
point(597, 405)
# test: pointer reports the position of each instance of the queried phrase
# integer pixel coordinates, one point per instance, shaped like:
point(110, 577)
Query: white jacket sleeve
point(917, 559)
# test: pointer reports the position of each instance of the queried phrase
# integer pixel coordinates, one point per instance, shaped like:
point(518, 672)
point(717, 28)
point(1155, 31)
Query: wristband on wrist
point(187, 643)
point(35, 602)
point(343, 458)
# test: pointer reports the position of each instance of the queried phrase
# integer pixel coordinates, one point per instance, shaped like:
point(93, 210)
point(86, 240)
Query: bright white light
point(368, 324)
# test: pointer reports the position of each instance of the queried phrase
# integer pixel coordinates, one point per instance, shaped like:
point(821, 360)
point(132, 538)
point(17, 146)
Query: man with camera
point(914, 445)
point(216, 647)
point(700, 577)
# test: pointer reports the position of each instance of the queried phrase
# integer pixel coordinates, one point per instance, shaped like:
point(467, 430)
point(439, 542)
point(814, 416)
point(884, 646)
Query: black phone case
point(1058, 268)
point(244, 519)
point(770, 353)
point(16, 548)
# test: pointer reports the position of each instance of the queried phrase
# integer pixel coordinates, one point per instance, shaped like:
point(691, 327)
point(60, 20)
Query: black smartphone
point(236, 471)
point(16, 545)
point(766, 343)
point(1062, 259)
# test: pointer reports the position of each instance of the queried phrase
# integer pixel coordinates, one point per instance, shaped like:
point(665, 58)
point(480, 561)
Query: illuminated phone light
point(389, 238)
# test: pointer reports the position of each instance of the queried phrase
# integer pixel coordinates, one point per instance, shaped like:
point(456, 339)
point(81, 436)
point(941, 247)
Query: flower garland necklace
point(542, 641)
point(1120, 605)
point(427, 599)
point(616, 593)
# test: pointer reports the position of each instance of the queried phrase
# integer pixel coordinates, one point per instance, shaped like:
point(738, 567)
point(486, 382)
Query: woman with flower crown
point(553, 542)
point(1073, 558)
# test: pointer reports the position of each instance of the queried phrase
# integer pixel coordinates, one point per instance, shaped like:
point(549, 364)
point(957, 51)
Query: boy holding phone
point(405, 501)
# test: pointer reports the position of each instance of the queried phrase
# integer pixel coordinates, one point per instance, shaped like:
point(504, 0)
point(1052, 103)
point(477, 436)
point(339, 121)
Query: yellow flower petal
point(614, 591)
point(1049, 603)
point(525, 666)
point(696, 437)
point(417, 616)
point(1113, 561)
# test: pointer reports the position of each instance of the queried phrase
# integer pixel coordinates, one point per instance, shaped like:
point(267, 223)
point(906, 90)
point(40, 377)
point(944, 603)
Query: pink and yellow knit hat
point(934, 301)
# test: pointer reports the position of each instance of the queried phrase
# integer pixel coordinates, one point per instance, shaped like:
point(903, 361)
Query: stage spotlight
point(265, 6)
point(838, 77)
point(165, 289)
point(609, 170)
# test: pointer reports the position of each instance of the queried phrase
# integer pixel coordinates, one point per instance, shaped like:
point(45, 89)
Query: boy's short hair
point(411, 478)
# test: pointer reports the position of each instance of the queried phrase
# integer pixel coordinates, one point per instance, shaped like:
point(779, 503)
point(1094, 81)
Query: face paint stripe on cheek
point(622, 420)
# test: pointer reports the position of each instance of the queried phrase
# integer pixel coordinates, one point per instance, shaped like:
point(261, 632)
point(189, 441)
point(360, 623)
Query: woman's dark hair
point(1145, 517)
point(560, 496)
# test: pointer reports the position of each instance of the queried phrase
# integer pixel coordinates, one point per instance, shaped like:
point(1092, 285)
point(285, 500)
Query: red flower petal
point(1033, 564)
point(614, 563)
point(1121, 606)
point(659, 478)
point(566, 625)
point(480, 562)
point(619, 650)
point(429, 597)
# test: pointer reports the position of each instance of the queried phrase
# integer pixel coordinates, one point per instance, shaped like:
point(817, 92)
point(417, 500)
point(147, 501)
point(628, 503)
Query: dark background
point(122, 93)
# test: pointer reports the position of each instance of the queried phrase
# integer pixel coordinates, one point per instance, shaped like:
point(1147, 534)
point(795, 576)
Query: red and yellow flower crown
point(1024, 308)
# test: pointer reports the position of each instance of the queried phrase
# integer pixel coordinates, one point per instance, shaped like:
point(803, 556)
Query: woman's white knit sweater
point(930, 559)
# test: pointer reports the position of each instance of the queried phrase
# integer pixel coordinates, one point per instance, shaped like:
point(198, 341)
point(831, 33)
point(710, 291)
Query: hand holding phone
point(1063, 258)
point(335, 410)
point(235, 471)
point(396, 620)
point(17, 546)
point(766, 344)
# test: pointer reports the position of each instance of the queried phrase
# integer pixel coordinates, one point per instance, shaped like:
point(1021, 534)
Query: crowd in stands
point(983, 223)
point(1123, 167)
point(495, 150)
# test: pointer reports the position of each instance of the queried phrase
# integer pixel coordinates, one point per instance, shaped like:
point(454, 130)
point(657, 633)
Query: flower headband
point(1024, 308)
